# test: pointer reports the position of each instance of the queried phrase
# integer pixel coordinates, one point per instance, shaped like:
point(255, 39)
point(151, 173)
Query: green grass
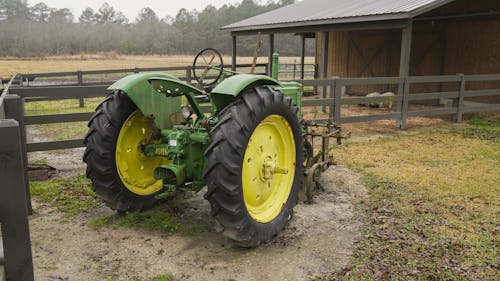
point(40, 161)
point(161, 219)
point(433, 207)
point(163, 277)
point(61, 131)
point(70, 196)
point(485, 129)
point(61, 106)
point(74, 195)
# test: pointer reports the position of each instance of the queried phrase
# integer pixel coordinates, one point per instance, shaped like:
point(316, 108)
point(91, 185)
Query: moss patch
point(71, 196)
point(163, 277)
point(161, 218)
point(485, 129)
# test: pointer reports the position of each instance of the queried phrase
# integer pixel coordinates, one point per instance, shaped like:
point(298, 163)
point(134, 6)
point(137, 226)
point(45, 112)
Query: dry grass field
point(9, 66)
point(433, 208)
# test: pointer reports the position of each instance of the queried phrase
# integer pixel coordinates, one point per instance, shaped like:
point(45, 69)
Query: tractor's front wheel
point(121, 175)
point(254, 165)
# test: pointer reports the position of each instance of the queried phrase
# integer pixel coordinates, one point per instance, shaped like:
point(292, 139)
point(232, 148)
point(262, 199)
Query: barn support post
point(347, 56)
point(324, 69)
point(388, 62)
point(404, 71)
point(302, 56)
point(18, 260)
point(316, 67)
point(233, 54)
point(271, 52)
point(14, 109)
point(442, 52)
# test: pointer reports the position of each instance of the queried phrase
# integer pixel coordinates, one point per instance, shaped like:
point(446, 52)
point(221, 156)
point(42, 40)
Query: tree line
point(40, 30)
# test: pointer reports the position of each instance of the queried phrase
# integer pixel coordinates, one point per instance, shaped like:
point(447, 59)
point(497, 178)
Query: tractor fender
point(229, 89)
point(149, 101)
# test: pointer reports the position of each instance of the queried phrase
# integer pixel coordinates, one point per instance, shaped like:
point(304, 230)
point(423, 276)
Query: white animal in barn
point(372, 95)
point(388, 101)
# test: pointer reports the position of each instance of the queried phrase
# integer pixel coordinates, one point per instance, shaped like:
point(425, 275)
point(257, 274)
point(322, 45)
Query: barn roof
point(327, 12)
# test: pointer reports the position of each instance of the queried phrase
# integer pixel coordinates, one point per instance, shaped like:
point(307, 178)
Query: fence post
point(336, 94)
point(460, 103)
point(188, 74)
point(2, 116)
point(404, 90)
point(14, 109)
point(20, 79)
point(324, 95)
point(13, 211)
point(80, 83)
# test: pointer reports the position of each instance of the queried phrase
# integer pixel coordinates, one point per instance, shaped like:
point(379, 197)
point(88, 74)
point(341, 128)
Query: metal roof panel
point(308, 11)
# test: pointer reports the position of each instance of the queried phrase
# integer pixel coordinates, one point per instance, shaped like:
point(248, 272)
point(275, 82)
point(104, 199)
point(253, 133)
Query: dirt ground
point(319, 239)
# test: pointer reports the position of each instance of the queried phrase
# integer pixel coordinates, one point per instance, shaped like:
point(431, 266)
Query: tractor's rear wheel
point(255, 165)
point(121, 175)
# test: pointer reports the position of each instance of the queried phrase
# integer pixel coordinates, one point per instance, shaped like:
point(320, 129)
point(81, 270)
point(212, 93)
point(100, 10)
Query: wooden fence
point(3, 94)
point(331, 100)
point(16, 261)
point(332, 97)
point(14, 149)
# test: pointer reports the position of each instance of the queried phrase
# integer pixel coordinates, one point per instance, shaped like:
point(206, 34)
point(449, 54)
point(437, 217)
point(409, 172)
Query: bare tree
point(147, 15)
point(88, 16)
point(14, 9)
point(42, 30)
point(40, 12)
point(108, 14)
point(61, 16)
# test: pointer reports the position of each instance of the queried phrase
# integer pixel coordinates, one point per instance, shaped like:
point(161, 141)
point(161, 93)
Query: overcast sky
point(130, 8)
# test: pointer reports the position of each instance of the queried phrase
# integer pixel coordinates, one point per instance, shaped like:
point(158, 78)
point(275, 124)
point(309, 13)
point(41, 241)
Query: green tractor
point(152, 137)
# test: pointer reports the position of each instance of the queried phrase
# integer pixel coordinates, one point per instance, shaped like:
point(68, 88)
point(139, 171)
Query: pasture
point(102, 61)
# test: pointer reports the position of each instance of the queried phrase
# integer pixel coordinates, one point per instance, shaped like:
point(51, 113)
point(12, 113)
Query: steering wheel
point(208, 67)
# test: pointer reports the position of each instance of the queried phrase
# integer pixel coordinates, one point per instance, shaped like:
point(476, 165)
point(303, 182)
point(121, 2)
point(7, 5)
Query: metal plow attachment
point(317, 156)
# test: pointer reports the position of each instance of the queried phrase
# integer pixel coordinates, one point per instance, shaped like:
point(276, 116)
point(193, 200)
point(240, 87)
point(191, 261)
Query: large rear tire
point(121, 175)
point(255, 166)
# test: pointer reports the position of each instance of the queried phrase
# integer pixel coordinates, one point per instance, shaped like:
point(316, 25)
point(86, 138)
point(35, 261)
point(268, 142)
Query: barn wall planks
point(468, 45)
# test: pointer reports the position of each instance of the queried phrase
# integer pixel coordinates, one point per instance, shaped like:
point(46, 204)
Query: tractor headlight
point(186, 112)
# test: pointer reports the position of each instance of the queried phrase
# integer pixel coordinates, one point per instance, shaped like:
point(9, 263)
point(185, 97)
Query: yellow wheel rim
point(268, 168)
point(136, 170)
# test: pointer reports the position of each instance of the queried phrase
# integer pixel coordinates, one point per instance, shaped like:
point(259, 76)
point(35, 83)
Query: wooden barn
point(382, 38)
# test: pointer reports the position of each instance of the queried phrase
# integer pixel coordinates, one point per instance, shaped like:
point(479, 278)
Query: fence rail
point(294, 71)
point(79, 76)
point(403, 97)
